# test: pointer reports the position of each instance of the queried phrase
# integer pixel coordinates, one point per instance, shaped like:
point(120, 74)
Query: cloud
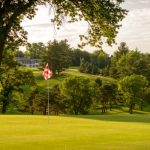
point(144, 1)
point(135, 30)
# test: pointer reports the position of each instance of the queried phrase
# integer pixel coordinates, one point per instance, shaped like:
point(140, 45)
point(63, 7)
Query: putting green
point(103, 132)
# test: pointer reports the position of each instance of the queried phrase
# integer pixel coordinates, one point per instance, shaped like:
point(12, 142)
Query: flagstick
point(47, 74)
point(48, 101)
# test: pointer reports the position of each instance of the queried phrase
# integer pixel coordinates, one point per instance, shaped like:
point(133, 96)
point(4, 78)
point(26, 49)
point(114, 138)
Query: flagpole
point(47, 74)
point(48, 100)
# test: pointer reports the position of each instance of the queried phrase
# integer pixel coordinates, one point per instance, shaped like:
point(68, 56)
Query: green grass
point(98, 132)
point(67, 73)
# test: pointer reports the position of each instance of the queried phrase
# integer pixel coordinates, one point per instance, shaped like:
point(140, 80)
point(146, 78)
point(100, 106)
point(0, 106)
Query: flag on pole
point(47, 72)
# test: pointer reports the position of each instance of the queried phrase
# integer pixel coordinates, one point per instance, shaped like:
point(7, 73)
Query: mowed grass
point(63, 75)
point(97, 132)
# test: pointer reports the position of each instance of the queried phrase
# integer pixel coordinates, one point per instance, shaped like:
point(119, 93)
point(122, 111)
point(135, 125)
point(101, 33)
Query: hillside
point(67, 73)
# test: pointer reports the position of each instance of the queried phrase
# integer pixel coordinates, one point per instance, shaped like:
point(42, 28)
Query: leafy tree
point(87, 67)
point(77, 55)
point(31, 101)
point(134, 62)
point(108, 96)
point(38, 100)
point(57, 56)
point(11, 79)
point(19, 53)
point(57, 100)
point(101, 60)
point(147, 95)
point(79, 94)
point(35, 50)
point(122, 50)
point(103, 17)
point(133, 87)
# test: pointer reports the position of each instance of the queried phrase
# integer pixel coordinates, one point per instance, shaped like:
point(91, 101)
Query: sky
point(135, 30)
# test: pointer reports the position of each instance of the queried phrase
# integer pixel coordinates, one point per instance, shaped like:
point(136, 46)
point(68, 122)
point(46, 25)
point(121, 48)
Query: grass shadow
point(119, 117)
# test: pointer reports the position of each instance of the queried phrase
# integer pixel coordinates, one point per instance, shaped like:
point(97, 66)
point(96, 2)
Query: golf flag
point(47, 73)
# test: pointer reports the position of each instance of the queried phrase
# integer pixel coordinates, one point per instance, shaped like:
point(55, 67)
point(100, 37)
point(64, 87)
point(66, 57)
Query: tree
point(122, 50)
point(38, 100)
point(57, 56)
point(79, 94)
point(133, 87)
point(101, 60)
point(11, 79)
point(103, 17)
point(35, 50)
point(31, 101)
point(108, 96)
point(19, 53)
point(77, 55)
point(98, 63)
point(134, 62)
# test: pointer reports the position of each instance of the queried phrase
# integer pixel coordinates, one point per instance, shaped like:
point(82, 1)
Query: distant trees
point(122, 50)
point(105, 94)
point(38, 100)
point(78, 92)
point(133, 88)
point(57, 55)
point(77, 55)
point(11, 79)
point(77, 95)
point(98, 63)
point(35, 50)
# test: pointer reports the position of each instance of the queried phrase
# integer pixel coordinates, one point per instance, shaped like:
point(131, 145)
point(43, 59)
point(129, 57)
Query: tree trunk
point(2, 43)
point(131, 107)
point(32, 110)
point(104, 107)
point(4, 106)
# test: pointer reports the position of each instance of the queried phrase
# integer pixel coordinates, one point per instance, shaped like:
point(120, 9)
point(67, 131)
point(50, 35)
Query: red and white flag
point(47, 73)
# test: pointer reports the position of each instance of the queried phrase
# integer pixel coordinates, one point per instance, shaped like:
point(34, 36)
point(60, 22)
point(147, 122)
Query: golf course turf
point(89, 132)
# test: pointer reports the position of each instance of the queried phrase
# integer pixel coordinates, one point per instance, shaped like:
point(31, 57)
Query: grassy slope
point(104, 132)
point(69, 72)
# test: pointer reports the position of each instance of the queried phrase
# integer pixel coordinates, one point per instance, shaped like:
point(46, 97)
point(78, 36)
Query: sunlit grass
point(98, 132)
point(60, 78)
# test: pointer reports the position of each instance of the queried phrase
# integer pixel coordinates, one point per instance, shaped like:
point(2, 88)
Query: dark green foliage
point(57, 56)
point(98, 63)
point(77, 55)
point(107, 96)
point(35, 50)
point(134, 62)
point(133, 89)
point(38, 100)
point(122, 50)
point(12, 79)
point(79, 94)
point(98, 81)
point(19, 53)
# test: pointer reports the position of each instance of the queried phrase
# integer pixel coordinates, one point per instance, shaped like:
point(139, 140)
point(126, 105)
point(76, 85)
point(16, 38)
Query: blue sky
point(135, 30)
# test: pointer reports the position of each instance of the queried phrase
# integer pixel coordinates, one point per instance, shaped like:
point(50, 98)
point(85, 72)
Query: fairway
point(103, 132)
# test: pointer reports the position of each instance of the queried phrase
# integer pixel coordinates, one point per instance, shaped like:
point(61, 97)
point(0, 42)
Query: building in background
point(27, 62)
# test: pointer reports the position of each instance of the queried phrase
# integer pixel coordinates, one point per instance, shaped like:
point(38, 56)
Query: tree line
point(76, 95)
